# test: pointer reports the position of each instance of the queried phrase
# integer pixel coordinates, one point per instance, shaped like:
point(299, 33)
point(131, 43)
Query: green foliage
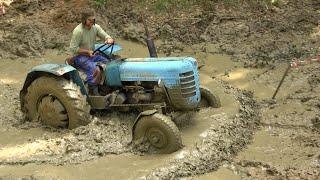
point(101, 2)
point(160, 6)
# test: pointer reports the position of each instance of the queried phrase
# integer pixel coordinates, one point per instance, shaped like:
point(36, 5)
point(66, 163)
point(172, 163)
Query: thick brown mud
point(249, 137)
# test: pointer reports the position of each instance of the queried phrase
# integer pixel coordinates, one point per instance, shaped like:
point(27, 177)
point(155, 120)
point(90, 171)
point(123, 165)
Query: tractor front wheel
point(56, 102)
point(160, 131)
point(208, 99)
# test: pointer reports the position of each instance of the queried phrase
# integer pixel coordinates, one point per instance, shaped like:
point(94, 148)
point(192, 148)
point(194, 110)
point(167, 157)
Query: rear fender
point(58, 70)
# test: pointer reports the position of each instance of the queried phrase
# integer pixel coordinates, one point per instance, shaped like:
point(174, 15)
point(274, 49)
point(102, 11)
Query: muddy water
point(264, 150)
point(16, 141)
point(286, 139)
point(125, 166)
point(222, 67)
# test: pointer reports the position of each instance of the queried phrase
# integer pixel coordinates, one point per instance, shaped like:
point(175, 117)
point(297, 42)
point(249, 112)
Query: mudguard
point(144, 113)
point(55, 70)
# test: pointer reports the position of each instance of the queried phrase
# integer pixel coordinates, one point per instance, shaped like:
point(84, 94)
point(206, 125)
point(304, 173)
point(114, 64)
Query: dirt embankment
point(254, 31)
point(30, 27)
point(258, 33)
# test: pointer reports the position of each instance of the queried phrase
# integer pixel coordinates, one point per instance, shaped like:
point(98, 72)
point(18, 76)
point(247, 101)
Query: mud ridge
point(104, 135)
point(220, 143)
point(260, 170)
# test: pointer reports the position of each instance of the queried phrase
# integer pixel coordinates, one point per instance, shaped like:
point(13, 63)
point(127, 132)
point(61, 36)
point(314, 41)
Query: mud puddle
point(287, 144)
point(223, 68)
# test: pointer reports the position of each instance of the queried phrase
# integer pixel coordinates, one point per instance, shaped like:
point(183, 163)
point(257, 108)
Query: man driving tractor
point(82, 46)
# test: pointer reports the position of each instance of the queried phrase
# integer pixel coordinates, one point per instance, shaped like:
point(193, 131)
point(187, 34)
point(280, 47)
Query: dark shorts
point(89, 66)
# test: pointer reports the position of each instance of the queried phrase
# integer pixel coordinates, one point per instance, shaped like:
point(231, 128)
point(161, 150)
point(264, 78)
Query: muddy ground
point(249, 137)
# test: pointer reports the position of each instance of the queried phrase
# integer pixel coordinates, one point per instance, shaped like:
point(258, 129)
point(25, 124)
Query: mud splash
point(219, 143)
point(101, 137)
point(112, 135)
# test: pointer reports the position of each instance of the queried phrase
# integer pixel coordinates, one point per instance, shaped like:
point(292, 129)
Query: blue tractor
point(56, 95)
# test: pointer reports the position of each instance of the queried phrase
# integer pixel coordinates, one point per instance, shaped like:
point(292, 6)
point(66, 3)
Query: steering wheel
point(100, 50)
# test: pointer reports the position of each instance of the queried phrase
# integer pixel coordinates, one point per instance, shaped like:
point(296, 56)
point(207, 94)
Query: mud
point(101, 137)
point(287, 144)
point(249, 137)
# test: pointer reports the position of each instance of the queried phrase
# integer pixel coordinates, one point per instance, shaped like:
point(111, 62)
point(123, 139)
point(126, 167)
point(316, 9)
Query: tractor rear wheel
point(56, 102)
point(208, 99)
point(160, 131)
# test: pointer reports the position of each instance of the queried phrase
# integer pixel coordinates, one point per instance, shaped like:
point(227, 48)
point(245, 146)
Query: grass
point(101, 2)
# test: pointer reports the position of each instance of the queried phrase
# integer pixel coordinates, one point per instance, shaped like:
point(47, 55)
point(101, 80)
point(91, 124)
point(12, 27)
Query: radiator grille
point(188, 85)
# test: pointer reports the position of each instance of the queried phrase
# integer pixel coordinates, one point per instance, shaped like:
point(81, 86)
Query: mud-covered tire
point(160, 131)
point(208, 99)
point(56, 102)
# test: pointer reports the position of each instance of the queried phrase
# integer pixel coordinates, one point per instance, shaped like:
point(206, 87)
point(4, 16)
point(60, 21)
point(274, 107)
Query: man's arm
point(103, 35)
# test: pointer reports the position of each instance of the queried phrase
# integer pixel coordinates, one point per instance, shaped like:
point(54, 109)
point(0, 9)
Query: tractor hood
point(154, 69)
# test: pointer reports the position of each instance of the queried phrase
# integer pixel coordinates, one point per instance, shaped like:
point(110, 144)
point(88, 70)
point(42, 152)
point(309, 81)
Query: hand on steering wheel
point(109, 41)
point(107, 46)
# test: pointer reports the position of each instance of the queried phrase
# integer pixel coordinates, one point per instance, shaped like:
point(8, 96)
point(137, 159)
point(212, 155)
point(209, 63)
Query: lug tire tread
point(66, 91)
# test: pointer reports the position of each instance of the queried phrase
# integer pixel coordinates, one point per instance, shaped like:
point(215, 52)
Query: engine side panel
point(179, 76)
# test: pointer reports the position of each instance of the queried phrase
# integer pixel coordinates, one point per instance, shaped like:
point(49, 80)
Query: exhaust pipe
point(149, 40)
